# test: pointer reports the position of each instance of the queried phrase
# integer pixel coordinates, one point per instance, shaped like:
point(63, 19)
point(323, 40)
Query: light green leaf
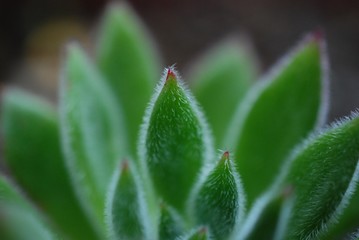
point(219, 81)
point(323, 174)
point(220, 200)
point(92, 137)
point(175, 141)
point(276, 114)
point(171, 225)
point(31, 146)
point(19, 219)
point(126, 210)
point(129, 61)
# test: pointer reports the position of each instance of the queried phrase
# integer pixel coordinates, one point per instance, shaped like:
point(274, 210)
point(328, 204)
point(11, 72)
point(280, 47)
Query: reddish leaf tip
point(170, 74)
point(124, 165)
point(317, 35)
point(203, 231)
point(226, 155)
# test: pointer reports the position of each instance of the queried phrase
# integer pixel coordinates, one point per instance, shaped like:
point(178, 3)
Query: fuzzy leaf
point(128, 60)
point(19, 219)
point(171, 226)
point(31, 146)
point(278, 113)
point(175, 141)
point(91, 131)
point(348, 221)
point(323, 174)
point(225, 72)
point(220, 201)
point(125, 209)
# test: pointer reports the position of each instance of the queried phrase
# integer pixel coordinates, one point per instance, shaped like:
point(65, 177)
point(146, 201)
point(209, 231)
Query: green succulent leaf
point(171, 225)
point(276, 114)
point(28, 123)
point(91, 131)
point(18, 218)
point(220, 201)
point(226, 72)
point(125, 211)
point(347, 221)
point(128, 60)
point(323, 173)
point(175, 141)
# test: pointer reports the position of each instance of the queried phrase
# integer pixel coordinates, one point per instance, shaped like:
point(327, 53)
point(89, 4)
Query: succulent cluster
point(115, 163)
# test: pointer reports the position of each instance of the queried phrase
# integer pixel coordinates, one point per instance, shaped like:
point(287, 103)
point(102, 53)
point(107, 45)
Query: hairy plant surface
point(112, 162)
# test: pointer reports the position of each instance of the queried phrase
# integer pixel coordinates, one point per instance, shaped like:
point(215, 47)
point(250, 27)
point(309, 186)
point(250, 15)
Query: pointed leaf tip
point(128, 59)
point(317, 35)
point(220, 200)
point(124, 166)
point(303, 68)
point(225, 155)
point(171, 75)
point(203, 231)
point(176, 140)
point(170, 225)
point(125, 211)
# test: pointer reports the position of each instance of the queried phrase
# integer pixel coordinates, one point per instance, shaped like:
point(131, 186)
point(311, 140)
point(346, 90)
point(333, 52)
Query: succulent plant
point(92, 171)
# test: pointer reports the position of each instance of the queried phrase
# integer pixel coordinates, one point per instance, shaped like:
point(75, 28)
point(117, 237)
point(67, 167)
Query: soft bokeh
point(32, 34)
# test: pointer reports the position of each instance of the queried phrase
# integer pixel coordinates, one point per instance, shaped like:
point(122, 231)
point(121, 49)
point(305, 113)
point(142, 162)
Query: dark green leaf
point(347, 222)
point(130, 64)
point(220, 80)
point(171, 226)
point(220, 202)
point(323, 173)
point(276, 114)
point(126, 218)
point(31, 146)
point(175, 141)
point(18, 218)
point(91, 131)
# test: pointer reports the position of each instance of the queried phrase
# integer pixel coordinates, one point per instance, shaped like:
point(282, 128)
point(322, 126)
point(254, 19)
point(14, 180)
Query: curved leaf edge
point(249, 99)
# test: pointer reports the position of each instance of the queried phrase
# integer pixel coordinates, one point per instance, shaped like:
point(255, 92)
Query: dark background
point(33, 32)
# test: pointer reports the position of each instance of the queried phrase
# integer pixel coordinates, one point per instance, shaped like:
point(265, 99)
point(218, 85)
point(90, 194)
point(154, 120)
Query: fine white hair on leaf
point(207, 137)
point(353, 185)
point(333, 217)
point(206, 171)
point(207, 149)
point(243, 109)
point(142, 210)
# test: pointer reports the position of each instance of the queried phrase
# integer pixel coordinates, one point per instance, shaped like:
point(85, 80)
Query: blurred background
point(32, 34)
